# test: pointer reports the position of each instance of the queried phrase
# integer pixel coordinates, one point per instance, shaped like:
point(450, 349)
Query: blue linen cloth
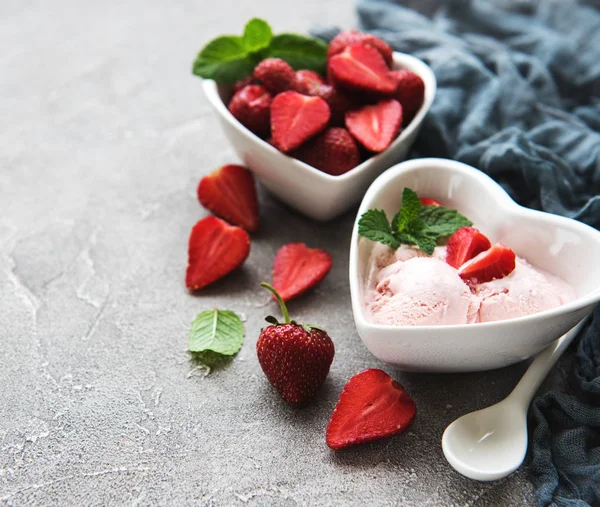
point(519, 98)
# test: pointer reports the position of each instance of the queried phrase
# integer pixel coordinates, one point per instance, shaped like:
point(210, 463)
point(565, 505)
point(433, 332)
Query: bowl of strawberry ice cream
point(492, 285)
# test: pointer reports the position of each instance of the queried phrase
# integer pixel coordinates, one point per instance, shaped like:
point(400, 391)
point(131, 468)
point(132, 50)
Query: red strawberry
point(306, 80)
point(371, 406)
point(375, 127)
point(465, 244)
point(297, 268)
point(361, 68)
point(215, 249)
point(251, 107)
point(276, 74)
point(230, 193)
point(295, 358)
point(242, 83)
point(426, 201)
point(333, 151)
point(295, 118)
point(351, 37)
point(496, 262)
point(410, 92)
point(339, 102)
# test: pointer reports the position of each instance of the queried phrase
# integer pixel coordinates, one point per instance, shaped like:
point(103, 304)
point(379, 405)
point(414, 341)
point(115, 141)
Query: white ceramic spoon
point(491, 443)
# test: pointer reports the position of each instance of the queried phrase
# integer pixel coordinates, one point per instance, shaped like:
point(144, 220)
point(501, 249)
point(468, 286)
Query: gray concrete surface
point(103, 138)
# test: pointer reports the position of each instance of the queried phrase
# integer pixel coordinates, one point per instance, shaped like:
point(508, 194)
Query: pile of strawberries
point(336, 123)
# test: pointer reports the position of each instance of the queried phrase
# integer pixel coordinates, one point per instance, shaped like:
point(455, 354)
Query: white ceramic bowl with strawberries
point(563, 247)
point(313, 192)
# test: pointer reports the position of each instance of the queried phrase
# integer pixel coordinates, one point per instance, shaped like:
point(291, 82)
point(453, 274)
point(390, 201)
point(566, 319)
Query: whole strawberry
point(410, 92)
point(295, 358)
point(251, 106)
point(276, 75)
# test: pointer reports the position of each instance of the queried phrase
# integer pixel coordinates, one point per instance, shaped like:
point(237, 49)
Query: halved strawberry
point(215, 249)
point(276, 74)
point(375, 127)
point(465, 244)
point(251, 107)
point(350, 37)
point(496, 262)
point(333, 151)
point(297, 268)
point(361, 68)
point(372, 406)
point(306, 80)
point(410, 92)
point(426, 201)
point(295, 118)
point(230, 193)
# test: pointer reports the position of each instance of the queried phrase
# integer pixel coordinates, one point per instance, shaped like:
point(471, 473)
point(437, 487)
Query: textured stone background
point(103, 138)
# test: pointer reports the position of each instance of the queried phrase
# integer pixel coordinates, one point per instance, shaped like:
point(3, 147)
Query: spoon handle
point(541, 365)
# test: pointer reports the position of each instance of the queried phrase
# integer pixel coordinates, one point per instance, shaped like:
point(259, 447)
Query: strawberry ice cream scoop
point(527, 290)
point(421, 291)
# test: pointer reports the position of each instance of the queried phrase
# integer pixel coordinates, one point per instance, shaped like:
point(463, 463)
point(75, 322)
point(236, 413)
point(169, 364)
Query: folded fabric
point(519, 98)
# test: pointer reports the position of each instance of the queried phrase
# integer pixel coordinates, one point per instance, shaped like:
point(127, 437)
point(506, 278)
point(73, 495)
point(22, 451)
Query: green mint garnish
point(218, 331)
point(300, 51)
point(414, 224)
point(229, 58)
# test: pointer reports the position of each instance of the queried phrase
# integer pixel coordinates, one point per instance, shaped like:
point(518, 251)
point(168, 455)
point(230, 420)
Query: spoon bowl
point(495, 439)
point(491, 443)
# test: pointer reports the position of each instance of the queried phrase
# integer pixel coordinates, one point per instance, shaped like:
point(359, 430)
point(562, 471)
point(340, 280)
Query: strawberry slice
point(496, 262)
point(465, 244)
point(426, 201)
point(295, 118)
point(215, 249)
point(297, 268)
point(371, 406)
point(375, 127)
point(230, 193)
point(361, 68)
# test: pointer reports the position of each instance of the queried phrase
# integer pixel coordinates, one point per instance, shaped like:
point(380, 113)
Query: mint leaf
point(374, 225)
point(411, 205)
point(441, 221)
point(300, 51)
point(425, 243)
point(224, 59)
point(219, 331)
point(257, 35)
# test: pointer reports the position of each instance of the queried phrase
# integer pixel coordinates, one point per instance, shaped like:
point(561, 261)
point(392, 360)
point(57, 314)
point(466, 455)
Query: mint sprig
point(217, 331)
point(414, 224)
point(229, 58)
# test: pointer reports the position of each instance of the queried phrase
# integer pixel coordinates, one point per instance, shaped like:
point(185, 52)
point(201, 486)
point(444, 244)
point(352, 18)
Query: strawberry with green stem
point(294, 357)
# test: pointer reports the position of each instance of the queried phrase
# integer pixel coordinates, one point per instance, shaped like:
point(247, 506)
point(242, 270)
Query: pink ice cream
point(407, 287)
point(416, 289)
point(525, 291)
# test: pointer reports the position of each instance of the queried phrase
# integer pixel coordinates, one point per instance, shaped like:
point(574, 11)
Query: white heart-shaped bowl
point(308, 190)
point(564, 247)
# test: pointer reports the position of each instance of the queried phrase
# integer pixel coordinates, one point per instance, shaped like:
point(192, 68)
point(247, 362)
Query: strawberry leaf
point(219, 331)
point(375, 226)
point(257, 35)
point(272, 320)
point(300, 51)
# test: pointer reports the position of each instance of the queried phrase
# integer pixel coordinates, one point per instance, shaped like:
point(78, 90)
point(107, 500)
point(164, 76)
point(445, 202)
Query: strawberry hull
point(316, 194)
